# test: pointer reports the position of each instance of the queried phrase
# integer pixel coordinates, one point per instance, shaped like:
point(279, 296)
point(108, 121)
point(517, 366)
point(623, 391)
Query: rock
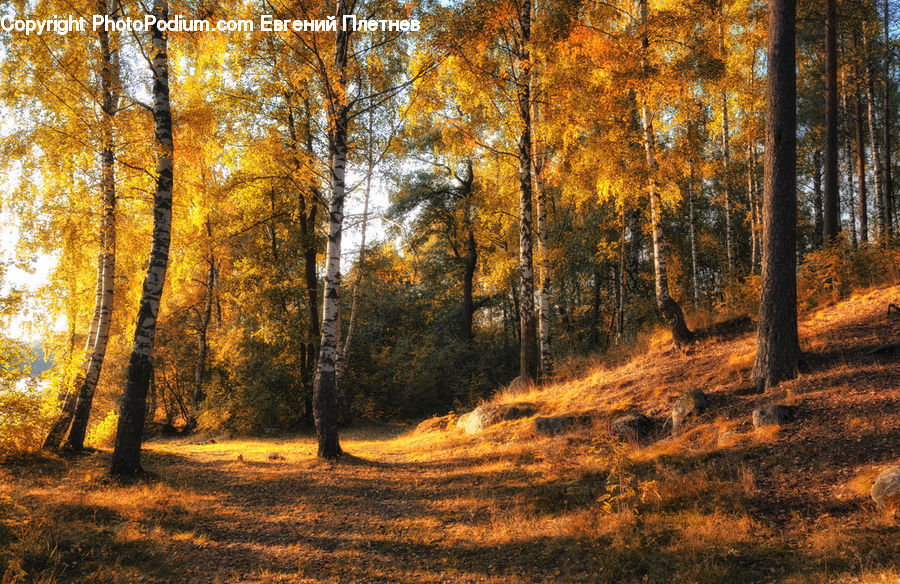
point(553, 425)
point(435, 424)
point(886, 490)
point(488, 414)
point(772, 415)
point(461, 421)
point(631, 426)
point(693, 403)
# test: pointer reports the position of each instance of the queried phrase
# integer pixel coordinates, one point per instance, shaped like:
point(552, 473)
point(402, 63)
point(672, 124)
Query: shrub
point(103, 433)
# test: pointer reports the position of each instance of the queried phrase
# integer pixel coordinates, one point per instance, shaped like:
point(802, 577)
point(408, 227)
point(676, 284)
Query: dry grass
point(717, 502)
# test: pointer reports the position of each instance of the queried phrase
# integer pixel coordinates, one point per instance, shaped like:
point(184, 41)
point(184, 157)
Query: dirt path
point(507, 506)
point(278, 515)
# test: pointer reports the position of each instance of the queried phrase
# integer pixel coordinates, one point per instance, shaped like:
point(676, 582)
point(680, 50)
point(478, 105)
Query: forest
point(294, 230)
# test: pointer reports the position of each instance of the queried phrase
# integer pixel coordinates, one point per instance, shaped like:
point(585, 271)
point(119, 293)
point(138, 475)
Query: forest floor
point(717, 502)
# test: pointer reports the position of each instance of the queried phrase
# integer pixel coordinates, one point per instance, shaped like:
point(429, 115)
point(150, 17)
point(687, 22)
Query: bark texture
point(544, 314)
point(325, 403)
point(110, 89)
point(126, 457)
point(528, 343)
point(778, 347)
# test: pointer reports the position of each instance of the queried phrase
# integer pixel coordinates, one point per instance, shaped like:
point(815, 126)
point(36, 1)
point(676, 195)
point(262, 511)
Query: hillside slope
point(718, 501)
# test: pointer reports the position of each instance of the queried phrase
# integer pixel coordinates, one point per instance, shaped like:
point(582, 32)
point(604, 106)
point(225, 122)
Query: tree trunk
point(544, 314)
point(726, 156)
point(64, 419)
point(877, 170)
point(860, 153)
point(778, 347)
point(831, 201)
point(308, 215)
point(817, 198)
point(203, 327)
point(670, 310)
point(325, 406)
point(152, 399)
point(341, 368)
point(886, 124)
point(751, 196)
point(471, 261)
point(109, 75)
point(528, 346)
point(726, 185)
point(620, 284)
point(126, 458)
point(595, 305)
point(468, 311)
point(848, 144)
point(695, 279)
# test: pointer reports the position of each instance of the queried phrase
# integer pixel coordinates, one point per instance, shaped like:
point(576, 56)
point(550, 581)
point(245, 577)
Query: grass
point(717, 502)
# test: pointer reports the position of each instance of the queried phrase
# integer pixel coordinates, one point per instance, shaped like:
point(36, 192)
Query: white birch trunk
point(544, 314)
point(325, 406)
point(126, 458)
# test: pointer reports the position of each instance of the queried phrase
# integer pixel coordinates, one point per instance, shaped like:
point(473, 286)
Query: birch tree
point(110, 92)
point(325, 405)
point(126, 457)
point(670, 310)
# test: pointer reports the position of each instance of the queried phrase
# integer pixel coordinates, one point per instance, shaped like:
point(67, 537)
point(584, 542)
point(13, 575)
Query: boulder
point(886, 490)
point(693, 403)
point(553, 425)
point(631, 426)
point(489, 414)
point(772, 415)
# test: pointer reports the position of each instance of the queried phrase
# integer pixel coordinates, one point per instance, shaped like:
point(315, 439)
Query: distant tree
point(831, 201)
point(668, 307)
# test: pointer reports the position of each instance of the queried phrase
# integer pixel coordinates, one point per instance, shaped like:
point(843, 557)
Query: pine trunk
point(831, 201)
point(877, 170)
point(860, 155)
point(778, 348)
point(126, 457)
point(817, 198)
point(848, 144)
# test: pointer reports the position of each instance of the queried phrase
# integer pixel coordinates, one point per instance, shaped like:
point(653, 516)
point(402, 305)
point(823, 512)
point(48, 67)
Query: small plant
point(103, 433)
